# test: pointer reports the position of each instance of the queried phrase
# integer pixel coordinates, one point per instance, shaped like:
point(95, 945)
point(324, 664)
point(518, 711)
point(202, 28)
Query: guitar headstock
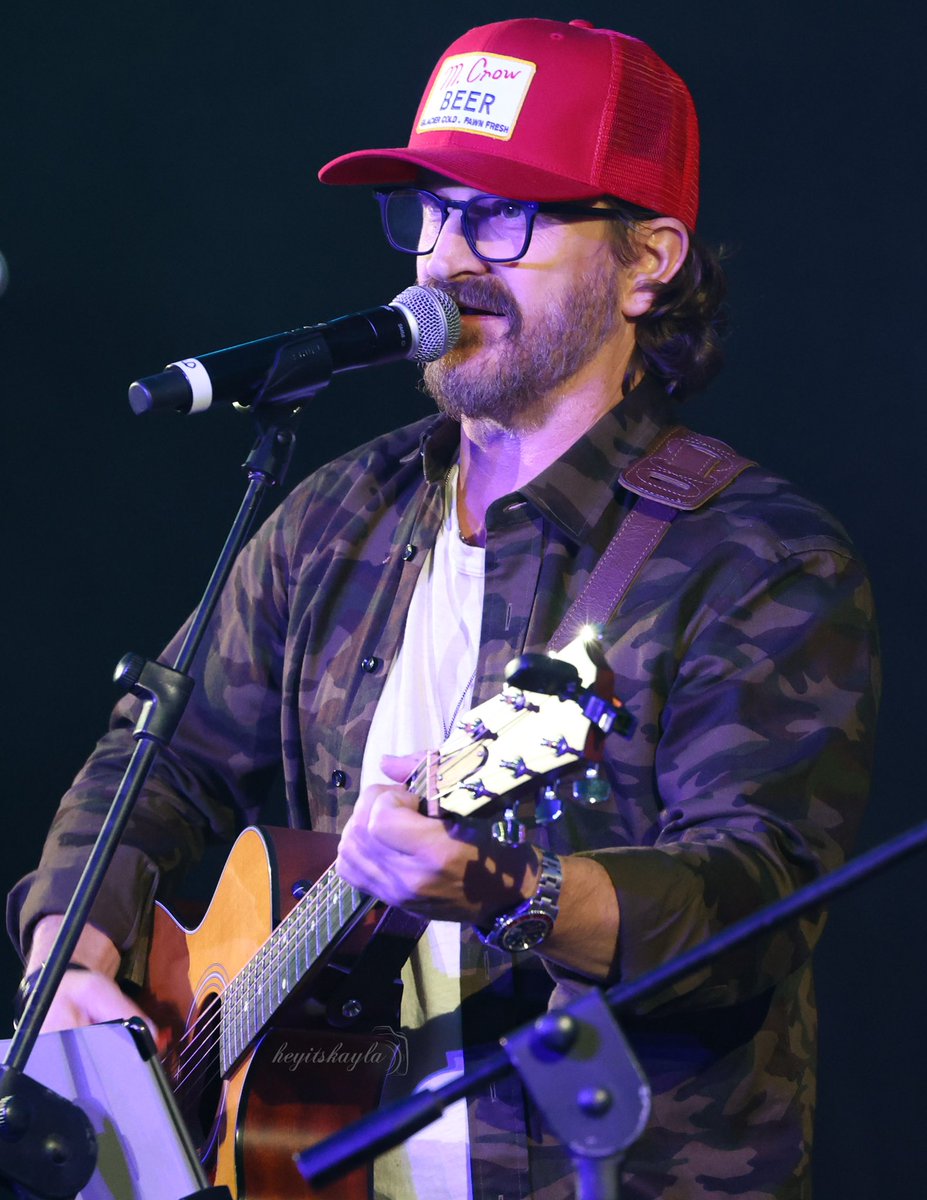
point(542, 721)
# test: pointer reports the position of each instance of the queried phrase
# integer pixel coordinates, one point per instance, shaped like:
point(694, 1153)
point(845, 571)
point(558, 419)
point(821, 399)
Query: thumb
point(400, 766)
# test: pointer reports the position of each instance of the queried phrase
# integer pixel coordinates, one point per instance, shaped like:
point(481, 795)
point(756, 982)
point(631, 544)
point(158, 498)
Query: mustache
point(487, 294)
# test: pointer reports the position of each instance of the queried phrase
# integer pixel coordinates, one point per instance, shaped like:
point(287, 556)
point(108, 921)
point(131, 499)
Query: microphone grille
point(437, 319)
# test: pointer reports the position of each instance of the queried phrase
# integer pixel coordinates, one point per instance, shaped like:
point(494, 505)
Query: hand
point(447, 872)
point(84, 997)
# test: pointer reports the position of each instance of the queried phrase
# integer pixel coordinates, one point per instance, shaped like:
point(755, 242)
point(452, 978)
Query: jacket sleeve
point(762, 760)
point(204, 786)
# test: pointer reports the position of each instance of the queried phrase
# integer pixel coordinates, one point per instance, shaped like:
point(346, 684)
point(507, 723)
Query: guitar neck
point(302, 939)
point(504, 743)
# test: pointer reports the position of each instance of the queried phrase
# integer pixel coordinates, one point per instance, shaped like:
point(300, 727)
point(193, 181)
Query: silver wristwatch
point(526, 926)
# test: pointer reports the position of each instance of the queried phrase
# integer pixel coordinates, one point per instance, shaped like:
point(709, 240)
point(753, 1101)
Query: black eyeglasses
point(497, 230)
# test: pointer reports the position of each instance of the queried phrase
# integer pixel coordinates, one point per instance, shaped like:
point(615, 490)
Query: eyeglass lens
point(497, 228)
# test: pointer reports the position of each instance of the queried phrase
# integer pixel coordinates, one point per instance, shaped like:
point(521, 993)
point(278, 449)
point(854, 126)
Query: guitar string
point(317, 902)
point(200, 1028)
point(193, 1071)
point(186, 1072)
point(200, 1038)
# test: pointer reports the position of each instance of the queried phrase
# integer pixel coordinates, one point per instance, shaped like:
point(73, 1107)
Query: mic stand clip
point(583, 1077)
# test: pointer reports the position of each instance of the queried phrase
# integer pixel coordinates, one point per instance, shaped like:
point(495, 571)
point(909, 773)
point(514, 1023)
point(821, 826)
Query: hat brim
point(472, 168)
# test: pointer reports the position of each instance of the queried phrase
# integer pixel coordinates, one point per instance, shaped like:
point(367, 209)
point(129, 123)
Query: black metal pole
point(329, 1160)
point(165, 691)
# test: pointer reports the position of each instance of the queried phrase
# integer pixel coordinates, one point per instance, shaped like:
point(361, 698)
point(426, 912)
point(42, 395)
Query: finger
point(381, 800)
point(364, 870)
point(395, 821)
point(357, 827)
point(361, 810)
point(111, 1004)
point(370, 841)
point(114, 1005)
point(400, 766)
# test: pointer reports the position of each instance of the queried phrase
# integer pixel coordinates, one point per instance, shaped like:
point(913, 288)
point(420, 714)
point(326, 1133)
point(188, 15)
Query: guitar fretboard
point(513, 737)
point(296, 945)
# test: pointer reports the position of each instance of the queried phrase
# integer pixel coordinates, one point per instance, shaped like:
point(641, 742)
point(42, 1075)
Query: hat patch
point(477, 93)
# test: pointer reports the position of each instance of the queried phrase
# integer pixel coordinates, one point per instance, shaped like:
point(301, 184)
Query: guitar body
point(302, 1079)
point(267, 1052)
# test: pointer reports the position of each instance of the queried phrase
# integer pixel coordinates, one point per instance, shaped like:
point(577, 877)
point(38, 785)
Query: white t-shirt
point(429, 687)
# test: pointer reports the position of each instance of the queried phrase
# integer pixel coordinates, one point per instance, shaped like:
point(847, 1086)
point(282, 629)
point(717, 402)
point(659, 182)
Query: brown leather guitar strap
point(680, 472)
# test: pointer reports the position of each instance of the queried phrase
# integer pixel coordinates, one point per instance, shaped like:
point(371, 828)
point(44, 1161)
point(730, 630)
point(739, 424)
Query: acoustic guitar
point(269, 1048)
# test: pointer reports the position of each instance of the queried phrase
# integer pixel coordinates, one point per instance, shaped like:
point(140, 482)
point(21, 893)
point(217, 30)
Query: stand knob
point(14, 1118)
point(129, 671)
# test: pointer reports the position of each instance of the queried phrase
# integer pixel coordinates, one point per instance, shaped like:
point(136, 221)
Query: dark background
point(158, 199)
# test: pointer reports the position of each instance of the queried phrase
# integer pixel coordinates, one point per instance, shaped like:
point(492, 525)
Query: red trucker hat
point(543, 110)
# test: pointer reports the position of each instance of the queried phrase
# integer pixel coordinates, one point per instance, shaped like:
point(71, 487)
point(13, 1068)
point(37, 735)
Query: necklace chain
point(463, 695)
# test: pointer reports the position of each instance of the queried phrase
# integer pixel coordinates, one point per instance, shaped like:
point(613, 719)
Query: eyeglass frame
point(532, 207)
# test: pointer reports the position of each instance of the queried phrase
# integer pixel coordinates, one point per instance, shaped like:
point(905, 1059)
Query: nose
point(452, 257)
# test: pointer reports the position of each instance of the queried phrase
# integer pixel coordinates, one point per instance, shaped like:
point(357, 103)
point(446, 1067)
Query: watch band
point(528, 925)
point(27, 987)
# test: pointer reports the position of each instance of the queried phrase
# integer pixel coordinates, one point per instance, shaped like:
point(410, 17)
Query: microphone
point(287, 368)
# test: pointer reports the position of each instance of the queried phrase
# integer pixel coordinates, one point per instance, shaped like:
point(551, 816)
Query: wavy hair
point(679, 338)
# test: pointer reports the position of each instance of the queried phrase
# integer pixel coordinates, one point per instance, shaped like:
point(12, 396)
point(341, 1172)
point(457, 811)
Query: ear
point(664, 244)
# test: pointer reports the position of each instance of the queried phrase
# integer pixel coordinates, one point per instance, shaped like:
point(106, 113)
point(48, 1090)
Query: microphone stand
point(575, 1063)
point(46, 1143)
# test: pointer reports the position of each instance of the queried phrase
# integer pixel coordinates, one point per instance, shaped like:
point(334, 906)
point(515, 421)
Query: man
point(550, 186)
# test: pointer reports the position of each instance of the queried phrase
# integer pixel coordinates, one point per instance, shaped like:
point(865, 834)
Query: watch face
point(525, 931)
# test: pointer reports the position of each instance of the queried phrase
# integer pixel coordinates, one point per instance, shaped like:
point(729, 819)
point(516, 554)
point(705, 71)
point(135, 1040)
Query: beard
point(516, 381)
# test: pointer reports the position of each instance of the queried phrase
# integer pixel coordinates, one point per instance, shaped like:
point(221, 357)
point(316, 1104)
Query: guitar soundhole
point(197, 1081)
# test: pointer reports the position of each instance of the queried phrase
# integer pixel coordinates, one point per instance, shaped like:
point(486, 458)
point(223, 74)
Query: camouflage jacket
point(746, 652)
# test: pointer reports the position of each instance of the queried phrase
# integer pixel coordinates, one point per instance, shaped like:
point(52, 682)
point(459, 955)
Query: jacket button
point(370, 663)
point(339, 779)
point(409, 552)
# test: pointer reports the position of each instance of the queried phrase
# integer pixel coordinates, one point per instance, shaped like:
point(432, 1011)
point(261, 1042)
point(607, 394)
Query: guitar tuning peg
point(548, 807)
point(509, 831)
point(477, 731)
point(592, 789)
point(561, 747)
point(518, 767)
point(519, 701)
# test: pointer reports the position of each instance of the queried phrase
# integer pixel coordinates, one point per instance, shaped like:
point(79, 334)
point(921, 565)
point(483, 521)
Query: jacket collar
point(575, 490)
